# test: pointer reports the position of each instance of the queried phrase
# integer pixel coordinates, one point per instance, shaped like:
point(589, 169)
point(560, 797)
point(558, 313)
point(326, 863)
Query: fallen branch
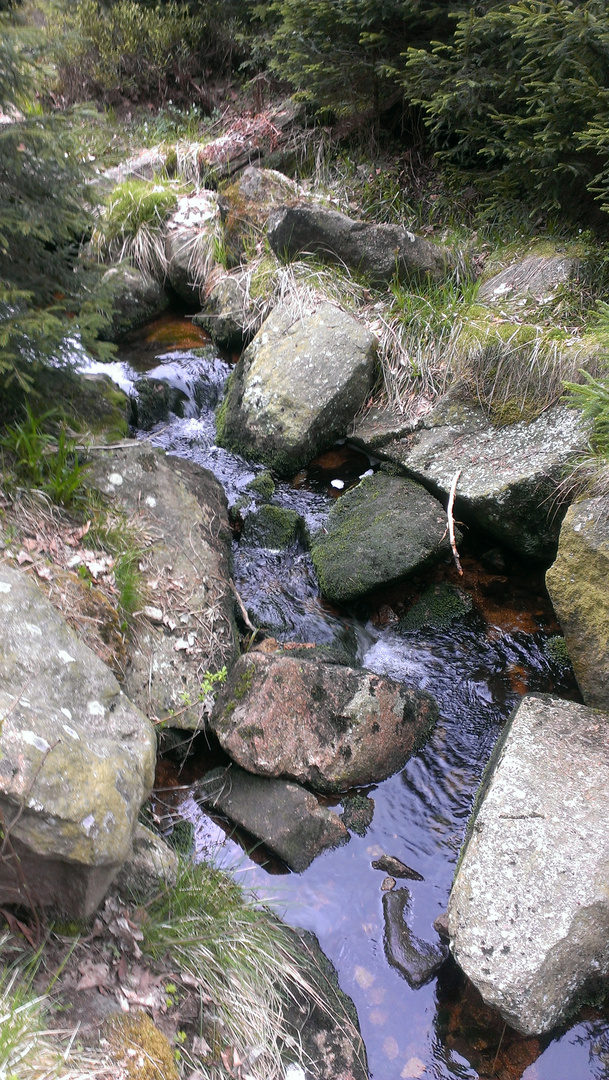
point(451, 520)
point(243, 610)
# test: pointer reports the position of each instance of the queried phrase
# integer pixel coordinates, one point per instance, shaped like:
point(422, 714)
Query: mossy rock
point(156, 399)
point(357, 813)
point(272, 527)
point(377, 533)
point(438, 607)
point(556, 650)
point(140, 1049)
point(263, 485)
point(91, 405)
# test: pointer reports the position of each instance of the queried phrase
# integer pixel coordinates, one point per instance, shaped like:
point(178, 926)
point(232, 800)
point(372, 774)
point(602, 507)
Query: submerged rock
point(379, 251)
point(437, 608)
point(182, 508)
point(156, 399)
point(357, 815)
point(76, 758)
point(285, 817)
point(509, 476)
point(377, 533)
point(417, 960)
point(297, 387)
point(324, 725)
point(577, 584)
point(529, 909)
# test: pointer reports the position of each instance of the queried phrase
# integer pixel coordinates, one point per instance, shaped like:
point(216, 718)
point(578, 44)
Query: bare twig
point(243, 610)
point(451, 520)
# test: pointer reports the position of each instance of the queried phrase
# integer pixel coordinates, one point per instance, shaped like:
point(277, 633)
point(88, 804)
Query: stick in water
point(451, 520)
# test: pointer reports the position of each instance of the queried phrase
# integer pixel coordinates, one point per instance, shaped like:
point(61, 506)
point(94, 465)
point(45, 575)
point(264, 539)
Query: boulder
point(577, 584)
point(324, 725)
point(190, 237)
point(285, 817)
point(76, 758)
point(182, 508)
point(415, 959)
point(268, 136)
point(324, 1023)
point(227, 312)
point(529, 909)
point(156, 399)
point(297, 387)
point(378, 251)
point(247, 203)
point(145, 165)
point(151, 867)
point(272, 527)
point(377, 532)
point(134, 298)
point(537, 277)
point(509, 476)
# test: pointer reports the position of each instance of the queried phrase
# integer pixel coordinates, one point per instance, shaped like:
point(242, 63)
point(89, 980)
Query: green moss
point(439, 606)
point(263, 485)
point(556, 650)
point(358, 813)
point(136, 1032)
point(272, 527)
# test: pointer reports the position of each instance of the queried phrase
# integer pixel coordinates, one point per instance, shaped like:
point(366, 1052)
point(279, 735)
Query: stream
point(477, 668)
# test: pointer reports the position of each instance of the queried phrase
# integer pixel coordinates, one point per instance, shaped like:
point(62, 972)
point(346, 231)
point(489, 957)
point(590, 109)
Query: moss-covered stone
point(91, 405)
point(156, 399)
point(438, 607)
point(357, 814)
point(556, 650)
point(272, 527)
point(377, 533)
point(577, 583)
point(140, 1049)
point(263, 485)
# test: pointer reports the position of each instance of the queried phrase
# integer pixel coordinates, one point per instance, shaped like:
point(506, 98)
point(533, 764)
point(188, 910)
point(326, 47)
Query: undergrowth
point(131, 225)
point(38, 458)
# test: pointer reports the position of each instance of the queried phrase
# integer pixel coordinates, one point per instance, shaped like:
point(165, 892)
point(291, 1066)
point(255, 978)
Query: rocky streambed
point(475, 644)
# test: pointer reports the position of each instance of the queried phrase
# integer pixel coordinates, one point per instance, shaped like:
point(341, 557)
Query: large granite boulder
point(76, 759)
point(377, 533)
point(509, 477)
point(537, 277)
point(187, 589)
point(324, 725)
point(577, 584)
point(285, 817)
point(379, 251)
point(133, 298)
point(190, 237)
point(247, 203)
point(297, 387)
point(529, 908)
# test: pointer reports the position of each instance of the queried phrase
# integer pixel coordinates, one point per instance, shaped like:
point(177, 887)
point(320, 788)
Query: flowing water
point(476, 669)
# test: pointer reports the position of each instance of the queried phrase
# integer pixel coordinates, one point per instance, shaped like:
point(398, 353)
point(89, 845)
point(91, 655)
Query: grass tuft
point(131, 225)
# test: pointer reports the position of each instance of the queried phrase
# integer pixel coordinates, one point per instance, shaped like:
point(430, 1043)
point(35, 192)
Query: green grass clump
point(131, 225)
point(38, 459)
point(592, 397)
point(556, 651)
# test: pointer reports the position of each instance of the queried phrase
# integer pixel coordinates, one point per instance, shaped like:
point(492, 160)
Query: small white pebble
point(32, 739)
point(65, 656)
point(66, 713)
point(155, 614)
point(5, 587)
point(95, 708)
point(116, 479)
point(338, 484)
point(150, 501)
point(294, 1072)
point(369, 472)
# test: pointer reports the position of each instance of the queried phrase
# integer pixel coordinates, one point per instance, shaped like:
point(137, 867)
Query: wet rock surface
point(377, 533)
point(417, 960)
point(297, 387)
point(509, 476)
point(76, 758)
point(182, 508)
point(528, 912)
point(327, 726)
point(379, 251)
point(281, 814)
point(152, 866)
point(272, 527)
point(227, 313)
point(577, 583)
point(134, 297)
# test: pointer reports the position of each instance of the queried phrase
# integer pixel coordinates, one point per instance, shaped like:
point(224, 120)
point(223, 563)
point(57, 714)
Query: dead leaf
point(24, 557)
point(200, 1047)
point(93, 975)
point(44, 573)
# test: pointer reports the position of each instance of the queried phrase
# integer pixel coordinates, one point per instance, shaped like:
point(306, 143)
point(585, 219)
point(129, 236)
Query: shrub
point(140, 53)
point(521, 96)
